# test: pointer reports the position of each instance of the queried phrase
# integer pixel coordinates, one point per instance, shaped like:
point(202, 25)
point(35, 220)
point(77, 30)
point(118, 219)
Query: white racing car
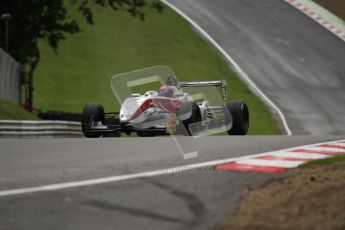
point(168, 110)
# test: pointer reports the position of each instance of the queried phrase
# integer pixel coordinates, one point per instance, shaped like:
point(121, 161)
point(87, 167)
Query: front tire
point(240, 117)
point(91, 113)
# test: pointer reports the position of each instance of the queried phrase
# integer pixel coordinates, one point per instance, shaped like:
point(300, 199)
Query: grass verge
point(81, 70)
point(326, 161)
point(11, 111)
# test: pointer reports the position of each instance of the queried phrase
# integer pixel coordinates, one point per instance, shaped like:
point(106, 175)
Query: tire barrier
point(59, 116)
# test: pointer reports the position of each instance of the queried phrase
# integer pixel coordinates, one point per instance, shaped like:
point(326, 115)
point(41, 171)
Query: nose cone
point(123, 116)
point(130, 106)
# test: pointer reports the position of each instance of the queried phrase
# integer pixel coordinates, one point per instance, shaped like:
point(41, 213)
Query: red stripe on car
point(171, 105)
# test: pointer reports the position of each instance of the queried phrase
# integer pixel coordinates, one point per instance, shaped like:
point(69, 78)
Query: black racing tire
point(240, 117)
point(195, 117)
point(91, 113)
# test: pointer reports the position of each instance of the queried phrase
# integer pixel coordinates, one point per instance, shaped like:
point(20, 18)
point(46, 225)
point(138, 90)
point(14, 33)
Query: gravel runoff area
point(311, 198)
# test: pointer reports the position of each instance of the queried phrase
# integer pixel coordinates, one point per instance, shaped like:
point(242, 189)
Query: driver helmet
point(166, 91)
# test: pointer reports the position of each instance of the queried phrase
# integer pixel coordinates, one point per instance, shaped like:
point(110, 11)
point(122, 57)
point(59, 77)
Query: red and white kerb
point(279, 161)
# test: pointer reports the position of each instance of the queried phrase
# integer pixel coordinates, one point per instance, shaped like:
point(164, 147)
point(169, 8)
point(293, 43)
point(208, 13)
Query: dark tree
point(32, 20)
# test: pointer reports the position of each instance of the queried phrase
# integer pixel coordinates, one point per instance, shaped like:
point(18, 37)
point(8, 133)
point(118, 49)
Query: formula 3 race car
point(168, 109)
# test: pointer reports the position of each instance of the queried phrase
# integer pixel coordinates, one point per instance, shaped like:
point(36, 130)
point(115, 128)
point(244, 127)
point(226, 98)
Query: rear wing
point(221, 83)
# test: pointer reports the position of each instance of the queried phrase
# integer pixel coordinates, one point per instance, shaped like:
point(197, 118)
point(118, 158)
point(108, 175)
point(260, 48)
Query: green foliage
point(34, 20)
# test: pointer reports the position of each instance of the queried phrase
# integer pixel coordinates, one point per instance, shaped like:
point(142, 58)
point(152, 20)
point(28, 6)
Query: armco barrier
point(39, 129)
point(9, 78)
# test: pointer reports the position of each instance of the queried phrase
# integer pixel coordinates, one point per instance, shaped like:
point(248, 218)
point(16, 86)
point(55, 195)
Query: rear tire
point(91, 113)
point(240, 117)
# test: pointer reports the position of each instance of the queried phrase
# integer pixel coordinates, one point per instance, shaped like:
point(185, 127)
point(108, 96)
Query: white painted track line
point(235, 66)
point(117, 178)
point(311, 156)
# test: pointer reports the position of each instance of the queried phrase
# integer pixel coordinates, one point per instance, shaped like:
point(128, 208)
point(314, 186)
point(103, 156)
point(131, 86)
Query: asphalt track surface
point(199, 199)
point(297, 63)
